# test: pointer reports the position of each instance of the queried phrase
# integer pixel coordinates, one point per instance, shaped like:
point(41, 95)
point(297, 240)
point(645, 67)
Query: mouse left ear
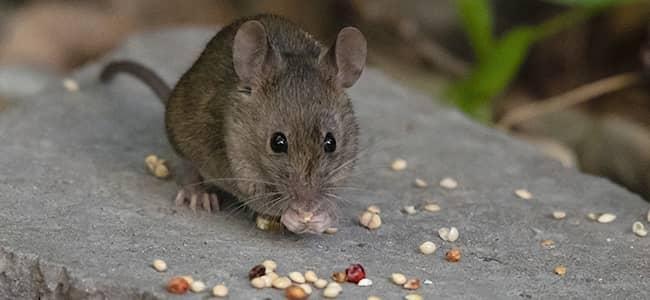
point(347, 56)
point(250, 49)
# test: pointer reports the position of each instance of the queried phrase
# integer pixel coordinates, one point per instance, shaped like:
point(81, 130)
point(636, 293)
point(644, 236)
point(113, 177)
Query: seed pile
point(370, 218)
point(448, 234)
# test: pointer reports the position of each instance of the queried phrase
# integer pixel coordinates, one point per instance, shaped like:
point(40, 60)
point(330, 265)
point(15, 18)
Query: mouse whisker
point(236, 179)
point(242, 204)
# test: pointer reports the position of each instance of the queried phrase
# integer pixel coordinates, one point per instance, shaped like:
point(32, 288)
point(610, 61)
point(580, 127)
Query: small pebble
point(428, 247)
point(258, 282)
point(639, 229)
point(70, 85)
point(269, 265)
point(331, 230)
point(297, 277)
point(524, 194)
point(310, 276)
point(160, 265)
point(413, 297)
point(398, 165)
point(548, 244)
point(364, 282)
point(320, 283)
point(197, 286)
point(398, 278)
point(559, 215)
point(420, 183)
point(306, 287)
point(606, 218)
point(431, 207)
point(281, 283)
point(428, 282)
point(449, 183)
point(412, 284)
point(410, 209)
point(560, 270)
point(374, 209)
point(295, 292)
point(220, 290)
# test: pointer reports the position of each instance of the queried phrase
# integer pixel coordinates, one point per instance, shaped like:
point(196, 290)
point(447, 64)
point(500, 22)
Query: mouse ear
point(249, 50)
point(347, 56)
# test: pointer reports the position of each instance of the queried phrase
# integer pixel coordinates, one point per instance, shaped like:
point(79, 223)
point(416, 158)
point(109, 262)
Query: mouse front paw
point(194, 195)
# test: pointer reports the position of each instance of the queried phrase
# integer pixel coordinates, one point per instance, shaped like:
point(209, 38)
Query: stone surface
point(80, 217)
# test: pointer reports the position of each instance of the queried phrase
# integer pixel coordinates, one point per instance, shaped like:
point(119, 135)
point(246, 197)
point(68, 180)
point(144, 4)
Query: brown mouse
point(263, 114)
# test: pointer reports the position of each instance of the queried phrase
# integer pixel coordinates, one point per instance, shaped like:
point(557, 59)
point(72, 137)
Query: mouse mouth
point(300, 222)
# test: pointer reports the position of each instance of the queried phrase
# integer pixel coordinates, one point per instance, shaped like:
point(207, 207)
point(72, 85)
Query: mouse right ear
point(347, 56)
point(249, 51)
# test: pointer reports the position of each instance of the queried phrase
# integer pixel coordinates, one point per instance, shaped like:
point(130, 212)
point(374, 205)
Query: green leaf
point(476, 18)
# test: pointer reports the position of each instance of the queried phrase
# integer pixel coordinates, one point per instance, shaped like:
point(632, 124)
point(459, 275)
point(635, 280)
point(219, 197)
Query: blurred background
point(569, 76)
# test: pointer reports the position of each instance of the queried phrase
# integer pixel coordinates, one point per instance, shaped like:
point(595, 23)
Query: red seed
point(355, 273)
point(177, 285)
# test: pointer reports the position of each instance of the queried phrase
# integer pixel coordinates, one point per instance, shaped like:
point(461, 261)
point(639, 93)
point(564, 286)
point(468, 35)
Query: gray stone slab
point(80, 217)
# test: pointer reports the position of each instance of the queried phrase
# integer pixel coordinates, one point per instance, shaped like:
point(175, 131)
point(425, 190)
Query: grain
point(364, 282)
point(295, 292)
point(177, 285)
point(449, 183)
point(420, 183)
point(156, 166)
point(297, 277)
point(559, 215)
point(258, 282)
point(281, 282)
point(310, 276)
point(453, 234)
point(639, 229)
point(560, 270)
point(332, 290)
point(269, 265)
point(70, 84)
point(431, 207)
point(189, 279)
point(320, 283)
point(523, 194)
point(428, 247)
point(453, 255)
point(412, 284)
point(370, 220)
point(592, 216)
point(399, 165)
point(548, 244)
point(398, 278)
point(410, 209)
point(306, 287)
point(220, 290)
point(413, 297)
point(373, 298)
point(331, 230)
point(197, 286)
point(159, 265)
point(606, 218)
point(374, 209)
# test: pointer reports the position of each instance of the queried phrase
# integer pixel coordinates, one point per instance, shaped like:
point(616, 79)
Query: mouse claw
point(193, 200)
point(206, 202)
point(180, 197)
point(197, 198)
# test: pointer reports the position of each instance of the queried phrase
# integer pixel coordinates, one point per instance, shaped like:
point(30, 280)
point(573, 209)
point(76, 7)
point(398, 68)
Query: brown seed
point(453, 255)
point(548, 244)
point(295, 292)
point(560, 270)
point(398, 278)
point(256, 271)
point(178, 285)
point(412, 284)
point(339, 277)
point(189, 279)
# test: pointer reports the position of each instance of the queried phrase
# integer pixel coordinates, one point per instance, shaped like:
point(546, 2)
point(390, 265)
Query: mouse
point(263, 114)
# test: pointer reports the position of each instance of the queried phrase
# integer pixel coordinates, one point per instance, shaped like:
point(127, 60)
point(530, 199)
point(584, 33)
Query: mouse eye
point(329, 145)
point(279, 143)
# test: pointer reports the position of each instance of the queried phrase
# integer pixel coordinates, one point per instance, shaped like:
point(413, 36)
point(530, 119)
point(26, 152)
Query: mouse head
point(293, 135)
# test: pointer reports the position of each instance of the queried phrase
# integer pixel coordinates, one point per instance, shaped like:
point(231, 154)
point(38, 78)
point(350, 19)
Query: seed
point(197, 286)
point(70, 84)
point(409, 209)
point(420, 183)
point(399, 165)
point(272, 276)
point(189, 279)
point(334, 285)
point(370, 220)
point(281, 282)
point(639, 229)
point(264, 223)
point(310, 276)
point(548, 244)
point(606, 218)
point(306, 287)
point(432, 207)
point(559, 215)
point(592, 216)
point(160, 265)
point(354, 273)
point(428, 282)
point(220, 290)
point(258, 282)
point(331, 230)
point(331, 292)
point(364, 282)
point(444, 233)
point(453, 234)
point(256, 271)
point(524, 194)
point(339, 277)
point(269, 265)
point(297, 277)
point(161, 171)
point(156, 166)
point(413, 297)
point(453, 255)
point(320, 283)
point(412, 284)
point(428, 247)
point(449, 183)
point(560, 270)
point(268, 280)
point(373, 298)
point(295, 292)
point(374, 209)
point(177, 285)
point(398, 278)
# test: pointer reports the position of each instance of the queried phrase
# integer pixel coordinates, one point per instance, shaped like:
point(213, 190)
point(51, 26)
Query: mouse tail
point(148, 76)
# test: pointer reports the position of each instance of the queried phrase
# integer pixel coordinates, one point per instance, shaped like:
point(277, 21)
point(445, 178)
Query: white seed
point(410, 209)
point(373, 298)
point(197, 286)
point(524, 194)
point(428, 247)
point(160, 265)
point(329, 292)
point(272, 276)
point(420, 183)
point(431, 207)
point(331, 230)
point(262, 223)
point(269, 265)
point(306, 287)
point(220, 290)
point(364, 282)
point(592, 216)
point(453, 234)
point(375, 222)
point(559, 215)
point(606, 218)
point(334, 285)
point(320, 283)
point(374, 209)
point(398, 278)
point(189, 279)
point(449, 183)
point(428, 282)
point(639, 229)
point(310, 276)
point(444, 233)
point(413, 297)
point(70, 84)
point(398, 165)
point(297, 277)
point(258, 282)
point(268, 280)
point(281, 283)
